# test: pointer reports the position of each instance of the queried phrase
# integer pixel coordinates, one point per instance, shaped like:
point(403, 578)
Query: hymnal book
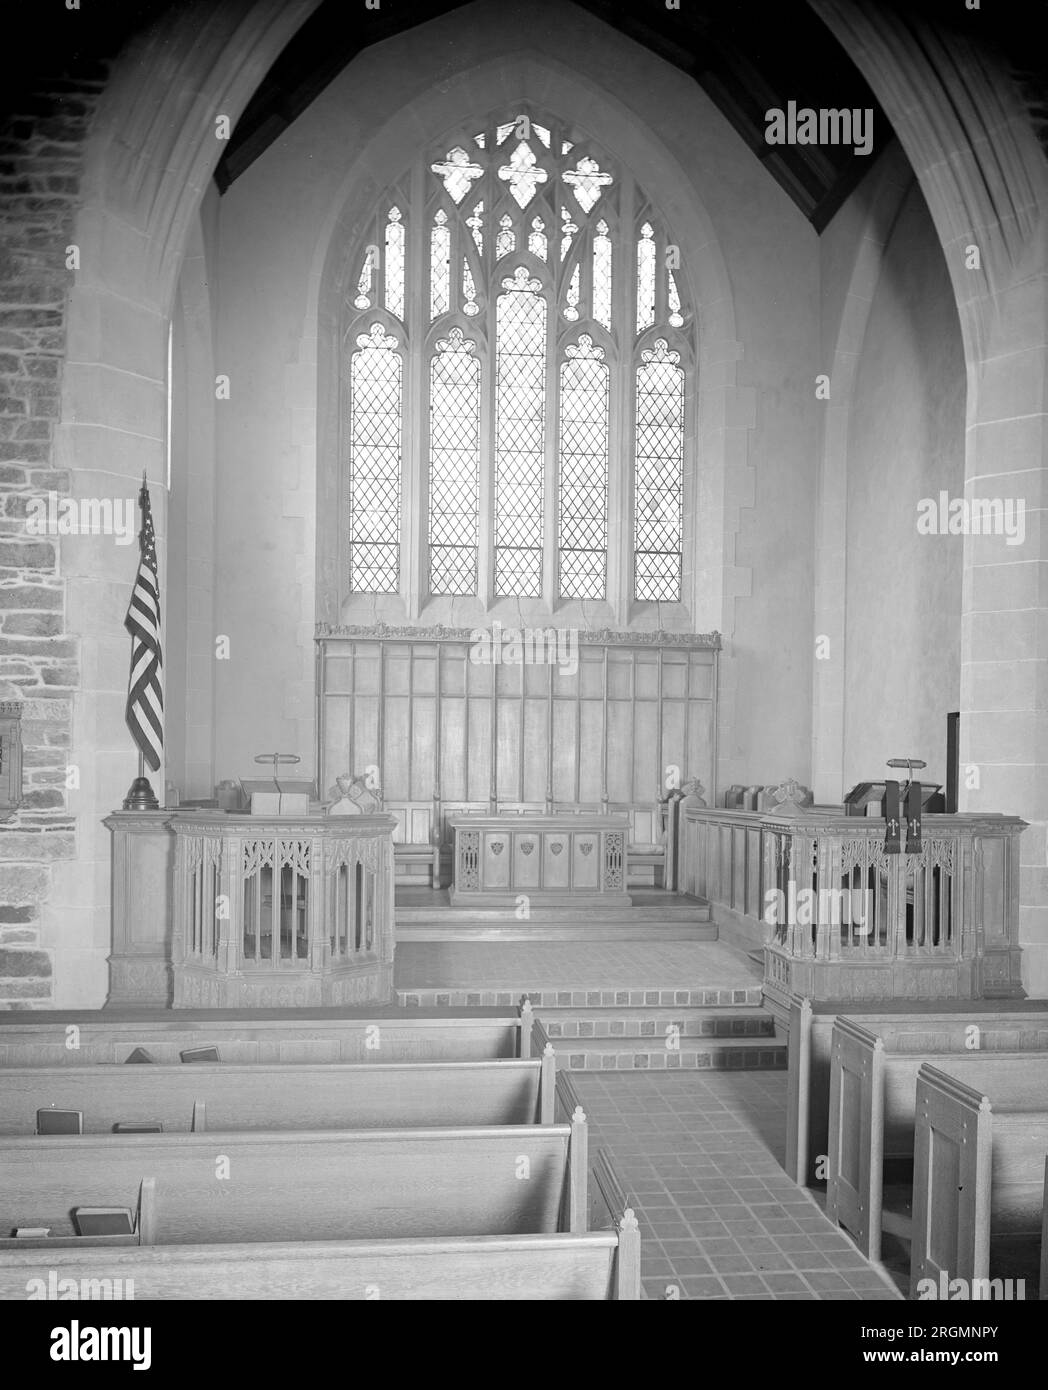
point(200, 1054)
point(51, 1121)
point(104, 1221)
point(32, 1232)
point(139, 1127)
point(139, 1055)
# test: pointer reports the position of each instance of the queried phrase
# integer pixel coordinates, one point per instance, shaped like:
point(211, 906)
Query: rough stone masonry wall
point(40, 162)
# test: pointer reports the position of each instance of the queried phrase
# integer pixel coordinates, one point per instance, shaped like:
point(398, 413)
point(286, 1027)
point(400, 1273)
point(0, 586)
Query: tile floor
point(573, 965)
point(701, 1155)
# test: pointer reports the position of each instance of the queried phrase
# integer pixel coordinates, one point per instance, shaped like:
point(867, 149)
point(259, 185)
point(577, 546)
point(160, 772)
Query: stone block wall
point(40, 167)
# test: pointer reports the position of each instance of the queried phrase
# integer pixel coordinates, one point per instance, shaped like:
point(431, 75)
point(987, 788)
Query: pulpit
point(560, 859)
point(282, 911)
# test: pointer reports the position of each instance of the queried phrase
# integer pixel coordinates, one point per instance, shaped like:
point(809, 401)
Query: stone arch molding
point(544, 81)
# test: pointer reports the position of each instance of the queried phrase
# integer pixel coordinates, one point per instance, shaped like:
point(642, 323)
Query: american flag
point(145, 693)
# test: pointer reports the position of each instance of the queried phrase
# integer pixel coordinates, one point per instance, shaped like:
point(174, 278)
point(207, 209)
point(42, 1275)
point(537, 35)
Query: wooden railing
point(282, 911)
point(838, 918)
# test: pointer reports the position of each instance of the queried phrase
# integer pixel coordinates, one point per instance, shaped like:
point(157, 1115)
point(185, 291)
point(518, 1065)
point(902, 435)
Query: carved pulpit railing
point(839, 917)
point(285, 911)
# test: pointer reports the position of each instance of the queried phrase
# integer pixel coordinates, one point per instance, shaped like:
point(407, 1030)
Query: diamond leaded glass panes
point(520, 435)
point(602, 276)
point(583, 490)
point(646, 278)
point(458, 172)
point(491, 199)
point(376, 403)
point(523, 174)
point(454, 465)
point(537, 238)
point(659, 475)
point(506, 240)
point(587, 181)
point(395, 263)
point(439, 266)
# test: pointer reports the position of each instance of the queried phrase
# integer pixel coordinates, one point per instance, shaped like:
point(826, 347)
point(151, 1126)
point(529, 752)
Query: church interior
point(523, 651)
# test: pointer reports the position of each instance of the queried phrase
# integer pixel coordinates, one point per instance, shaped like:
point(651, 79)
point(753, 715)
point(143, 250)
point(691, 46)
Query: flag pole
point(140, 795)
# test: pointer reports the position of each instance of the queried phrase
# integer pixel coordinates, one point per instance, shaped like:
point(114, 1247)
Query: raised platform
point(641, 972)
point(651, 914)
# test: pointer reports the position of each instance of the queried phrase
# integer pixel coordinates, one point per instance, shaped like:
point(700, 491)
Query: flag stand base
point(140, 797)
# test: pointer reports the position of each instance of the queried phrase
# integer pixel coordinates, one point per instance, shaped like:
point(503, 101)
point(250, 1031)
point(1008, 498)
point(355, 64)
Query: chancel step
point(687, 1053)
point(646, 1023)
point(448, 996)
point(652, 915)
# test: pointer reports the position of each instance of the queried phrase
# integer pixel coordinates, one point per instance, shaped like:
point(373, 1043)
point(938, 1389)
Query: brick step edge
point(713, 1059)
point(451, 998)
point(618, 1029)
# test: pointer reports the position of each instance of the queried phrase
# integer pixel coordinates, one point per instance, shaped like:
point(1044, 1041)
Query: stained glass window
point(602, 276)
point(523, 174)
point(454, 465)
point(363, 298)
point(583, 490)
point(476, 227)
point(646, 278)
point(469, 291)
point(586, 181)
point(375, 429)
point(659, 472)
point(568, 230)
point(458, 172)
point(676, 319)
point(439, 266)
point(520, 435)
point(506, 241)
point(395, 263)
point(537, 239)
point(493, 402)
point(571, 305)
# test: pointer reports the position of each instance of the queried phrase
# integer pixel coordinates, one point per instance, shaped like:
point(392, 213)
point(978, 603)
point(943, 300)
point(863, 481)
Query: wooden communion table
point(565, 858)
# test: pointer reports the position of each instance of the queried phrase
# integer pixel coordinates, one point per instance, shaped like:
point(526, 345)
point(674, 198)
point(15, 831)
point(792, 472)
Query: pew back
point(533, 1267)
point(934, 1026)
point(236, 1188)
point(873, 1106)
point(84, 1038)
point(269, 1097)
point(978, 1167)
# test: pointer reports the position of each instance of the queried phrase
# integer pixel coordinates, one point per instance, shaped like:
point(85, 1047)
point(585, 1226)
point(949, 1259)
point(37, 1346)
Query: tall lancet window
point(520, 376)
point(375, 430)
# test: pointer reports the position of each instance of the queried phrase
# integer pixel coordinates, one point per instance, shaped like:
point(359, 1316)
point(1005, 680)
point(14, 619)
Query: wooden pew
point(333, 1095)
point(1005, 1026)
point(374, 1035)
point(276, 1186)
point(978, 1187)
point(602, 1263)
point(873, 1095)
